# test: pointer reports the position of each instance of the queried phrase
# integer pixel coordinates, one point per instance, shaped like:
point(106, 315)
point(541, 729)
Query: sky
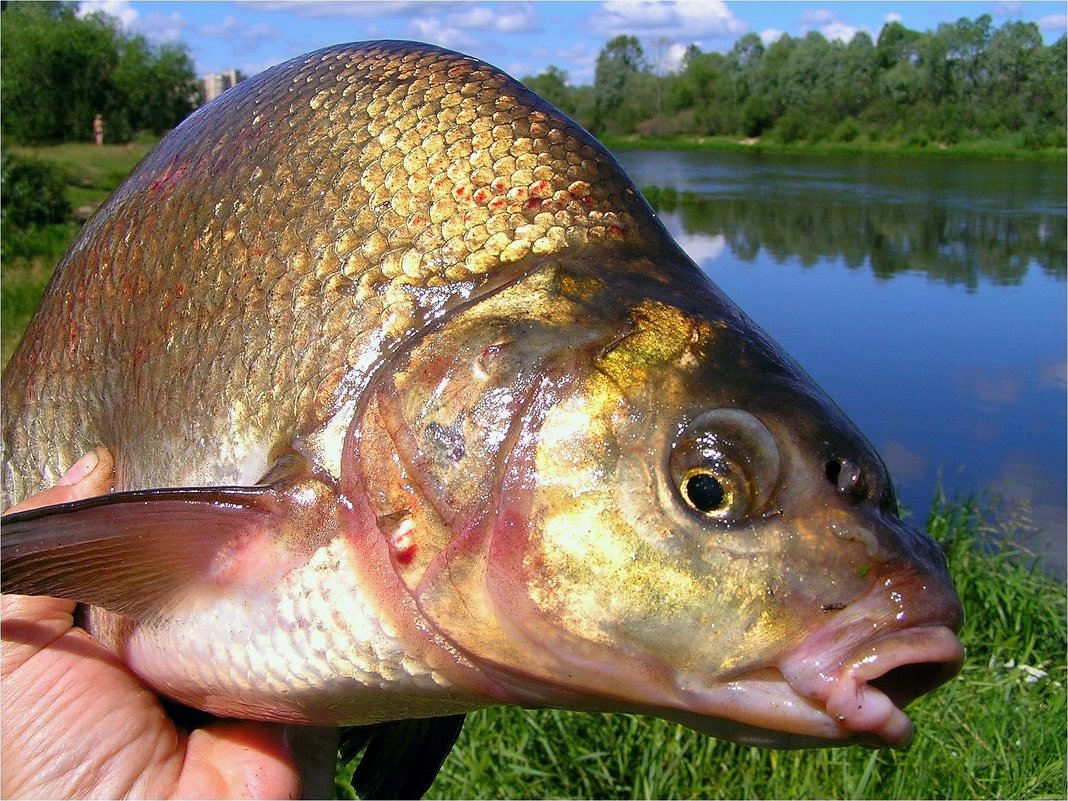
point(524, 38)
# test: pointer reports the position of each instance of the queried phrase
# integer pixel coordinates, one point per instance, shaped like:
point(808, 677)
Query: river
point(926, 296)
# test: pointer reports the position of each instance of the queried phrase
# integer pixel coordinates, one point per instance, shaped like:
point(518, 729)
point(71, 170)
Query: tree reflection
point(957, 246)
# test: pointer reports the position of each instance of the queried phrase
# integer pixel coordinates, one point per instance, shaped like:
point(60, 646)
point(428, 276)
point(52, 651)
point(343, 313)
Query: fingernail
point(80, 469)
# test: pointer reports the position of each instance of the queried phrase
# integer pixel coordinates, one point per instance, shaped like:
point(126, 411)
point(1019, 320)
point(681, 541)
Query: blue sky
point(524, 38)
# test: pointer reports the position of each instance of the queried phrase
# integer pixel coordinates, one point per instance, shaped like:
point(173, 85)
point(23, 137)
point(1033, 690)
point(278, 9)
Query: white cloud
point(827, 23)
point(579, 62)
point(451, 24)
point(121, 9)
point(814, 17)
point(839, 30)
point(1053, 23)
point(769, 35)
point(432, 31)
point(679, 20)
point(1007, 8)
point(508, 18)
point(162, 27)
point(675, 53)
point(153, 25)
point(233, 29)
point(371, 9)
point(892, 17)
point(250, 68)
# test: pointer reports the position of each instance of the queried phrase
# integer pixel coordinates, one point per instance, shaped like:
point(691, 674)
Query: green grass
point(28, 262)
point(92, 172)
point(977, 149)
point(994, 732)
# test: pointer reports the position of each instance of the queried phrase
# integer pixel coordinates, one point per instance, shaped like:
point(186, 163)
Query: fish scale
point(316, 640)
point(205, 231)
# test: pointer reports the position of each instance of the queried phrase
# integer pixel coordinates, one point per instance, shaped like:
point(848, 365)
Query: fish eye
point(725, 465)
point(704, 492)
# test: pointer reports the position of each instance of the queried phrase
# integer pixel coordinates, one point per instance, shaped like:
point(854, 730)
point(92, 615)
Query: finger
point(28, 625)
point(242, 759)
point(91, 475)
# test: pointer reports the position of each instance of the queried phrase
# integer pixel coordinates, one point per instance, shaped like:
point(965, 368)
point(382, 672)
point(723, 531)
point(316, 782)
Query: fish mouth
point(816, 700)
point(883, 677)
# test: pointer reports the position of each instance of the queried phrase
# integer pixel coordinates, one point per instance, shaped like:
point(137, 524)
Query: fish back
point(257, 267)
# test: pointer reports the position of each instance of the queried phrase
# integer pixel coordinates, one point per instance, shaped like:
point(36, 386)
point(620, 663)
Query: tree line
point(963, 81)
point(59, 70)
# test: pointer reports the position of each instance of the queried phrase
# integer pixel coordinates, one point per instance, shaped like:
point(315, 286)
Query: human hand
point(77, 723)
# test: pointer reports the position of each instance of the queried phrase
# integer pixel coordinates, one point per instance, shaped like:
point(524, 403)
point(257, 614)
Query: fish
point(416, 408)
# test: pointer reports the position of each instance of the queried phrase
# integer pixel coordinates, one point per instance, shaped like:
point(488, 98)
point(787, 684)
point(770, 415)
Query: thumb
point(91, 475)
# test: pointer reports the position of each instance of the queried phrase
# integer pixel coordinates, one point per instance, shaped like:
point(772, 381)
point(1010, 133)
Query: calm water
point(927, 297)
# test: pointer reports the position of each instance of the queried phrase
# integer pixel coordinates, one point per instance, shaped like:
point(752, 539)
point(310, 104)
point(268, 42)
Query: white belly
point(317, 648)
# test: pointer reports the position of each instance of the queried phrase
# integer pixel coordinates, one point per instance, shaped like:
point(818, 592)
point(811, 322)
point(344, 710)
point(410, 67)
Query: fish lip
point(864, 692)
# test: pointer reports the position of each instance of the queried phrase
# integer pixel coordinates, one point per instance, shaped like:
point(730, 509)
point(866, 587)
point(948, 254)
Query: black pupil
point(705, 492)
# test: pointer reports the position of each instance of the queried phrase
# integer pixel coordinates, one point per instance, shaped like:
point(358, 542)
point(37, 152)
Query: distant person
point(98, 129)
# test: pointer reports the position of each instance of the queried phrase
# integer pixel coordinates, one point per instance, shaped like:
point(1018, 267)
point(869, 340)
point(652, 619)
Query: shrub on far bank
point(31, 194)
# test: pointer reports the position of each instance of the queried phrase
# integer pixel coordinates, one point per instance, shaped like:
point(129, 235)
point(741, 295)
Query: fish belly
point(314, 649)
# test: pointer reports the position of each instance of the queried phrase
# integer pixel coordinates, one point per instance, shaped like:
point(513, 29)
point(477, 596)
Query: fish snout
point(893, 644)
point(912, 577)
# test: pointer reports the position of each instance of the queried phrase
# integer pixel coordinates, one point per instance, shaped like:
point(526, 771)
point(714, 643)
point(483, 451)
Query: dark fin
point(402, 757)
point(353, 740)
point(130, 551)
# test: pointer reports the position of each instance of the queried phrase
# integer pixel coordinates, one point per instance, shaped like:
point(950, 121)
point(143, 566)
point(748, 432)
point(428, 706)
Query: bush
point(1040, 136)
point(791, 127)
point(31, 194)
point(846, 131)
point(756, 116)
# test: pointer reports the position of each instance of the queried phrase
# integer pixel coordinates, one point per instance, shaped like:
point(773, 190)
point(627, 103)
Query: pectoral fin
point(402, 757)
point(130, 552)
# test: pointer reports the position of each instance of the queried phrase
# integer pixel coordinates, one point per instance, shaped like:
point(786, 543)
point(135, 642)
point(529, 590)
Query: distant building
point(218, 82)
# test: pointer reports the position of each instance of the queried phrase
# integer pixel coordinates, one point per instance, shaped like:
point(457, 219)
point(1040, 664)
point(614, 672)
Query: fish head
point(643, 505)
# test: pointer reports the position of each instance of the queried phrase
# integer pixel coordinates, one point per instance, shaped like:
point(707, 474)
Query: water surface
point(927, 297)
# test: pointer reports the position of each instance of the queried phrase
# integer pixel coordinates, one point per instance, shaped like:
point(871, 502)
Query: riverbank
point(1000, 149)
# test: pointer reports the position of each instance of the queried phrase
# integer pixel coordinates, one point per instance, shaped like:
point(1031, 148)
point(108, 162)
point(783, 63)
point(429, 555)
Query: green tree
point(552, 85)
point(58, 70)
point(771, 75)
point(896, 44)
point(854, 82)
point(704, 84)
point(53, 71)
point(620, 65)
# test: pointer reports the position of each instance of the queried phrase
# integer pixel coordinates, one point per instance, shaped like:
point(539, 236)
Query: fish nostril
point(833, 469)
point(847, 479)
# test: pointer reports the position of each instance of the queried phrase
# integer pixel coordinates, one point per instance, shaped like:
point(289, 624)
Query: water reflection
point(904, 463)
point(991, 389)
point(1054, 374)
point(957, 246)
